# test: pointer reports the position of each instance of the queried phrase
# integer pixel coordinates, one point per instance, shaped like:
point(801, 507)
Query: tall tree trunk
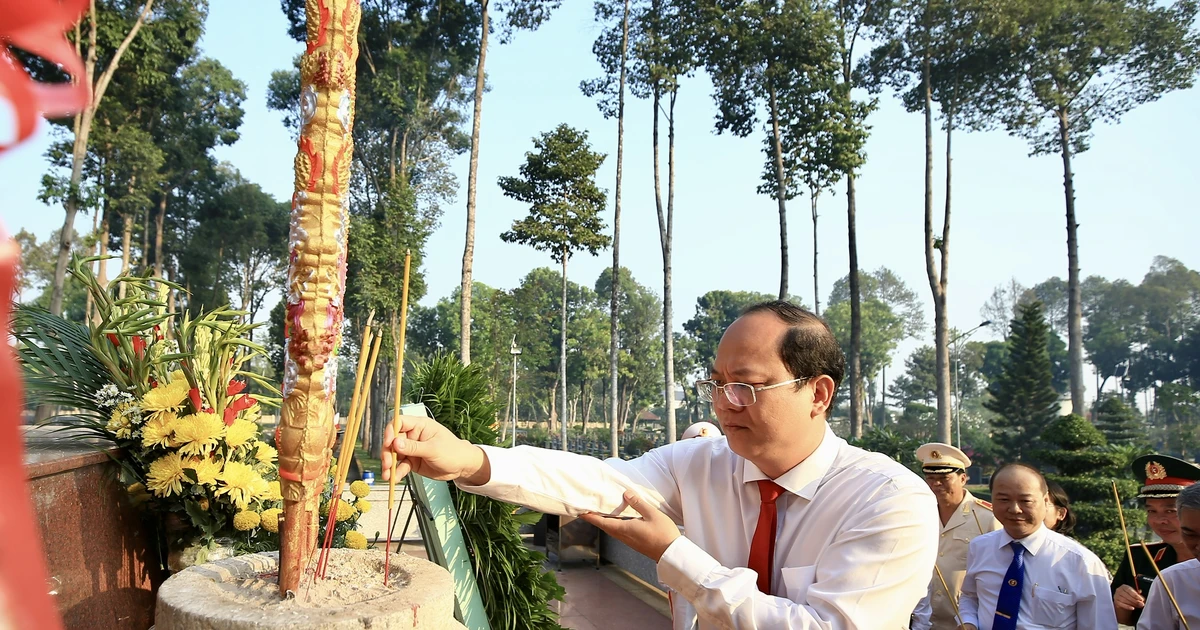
point(668, 315)
point(469, 247)
point(856, 411)
point(936, 280)
point(780, 192)
point(1074, 302)
point(83, 128)
point(87, 309)
point(126, 246)
point(614, 335)
point(102, 245)
point(159, 220)
point(562, 355)
point(816, 285)
point(145, 241)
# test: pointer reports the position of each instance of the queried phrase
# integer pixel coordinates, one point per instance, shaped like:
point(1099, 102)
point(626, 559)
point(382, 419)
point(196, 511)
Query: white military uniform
point(972, 518)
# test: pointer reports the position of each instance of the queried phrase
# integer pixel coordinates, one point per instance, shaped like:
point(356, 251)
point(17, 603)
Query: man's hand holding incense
point(423, 446)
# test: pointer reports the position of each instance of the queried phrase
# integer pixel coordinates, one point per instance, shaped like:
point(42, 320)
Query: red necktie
point(762, 548)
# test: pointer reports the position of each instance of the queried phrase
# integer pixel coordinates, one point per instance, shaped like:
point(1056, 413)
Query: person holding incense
point(1162, 478)
point(1174, 601)
point(788, 526)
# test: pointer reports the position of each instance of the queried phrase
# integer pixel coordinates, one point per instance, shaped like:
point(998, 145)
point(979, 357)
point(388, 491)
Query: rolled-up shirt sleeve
point(534, 478)
point(968, 600)
point(922, 617)
point(864, 579)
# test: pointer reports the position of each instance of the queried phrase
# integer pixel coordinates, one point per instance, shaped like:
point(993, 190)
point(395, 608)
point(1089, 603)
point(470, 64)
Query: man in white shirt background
point(787, 525)
point(1182, 578)
point(1027, 577)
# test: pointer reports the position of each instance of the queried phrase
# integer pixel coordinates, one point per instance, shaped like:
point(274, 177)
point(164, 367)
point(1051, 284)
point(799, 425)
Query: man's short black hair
point(809, 348)
point(1030, 467)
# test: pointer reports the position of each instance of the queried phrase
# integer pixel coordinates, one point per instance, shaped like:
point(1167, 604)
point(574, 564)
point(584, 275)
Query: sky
point(1134, 201)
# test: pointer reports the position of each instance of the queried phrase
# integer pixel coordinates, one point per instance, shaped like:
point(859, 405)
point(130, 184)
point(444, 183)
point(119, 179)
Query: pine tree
point(1120, 423)
point(1024, 393)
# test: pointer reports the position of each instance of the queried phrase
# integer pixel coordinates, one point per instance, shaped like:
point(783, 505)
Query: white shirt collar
point(1032, 543)
point(804, 478)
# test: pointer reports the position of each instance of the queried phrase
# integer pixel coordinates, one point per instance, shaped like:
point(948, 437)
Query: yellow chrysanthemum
point(363, 506)
point(159, 431)
point(198, 433)
point(120, 423)
point(345, 511)
point(270, 519)
point(266, 453)
point(359, 489)
point(274, 493)
point(166, 397)
point(241, 484)
point(355, 540)
point(166, 475)
point(207, 470)
point(246, 521)
point(240, 432)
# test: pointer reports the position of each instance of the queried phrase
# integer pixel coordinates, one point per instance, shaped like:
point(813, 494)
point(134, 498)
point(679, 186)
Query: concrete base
point(239, 594)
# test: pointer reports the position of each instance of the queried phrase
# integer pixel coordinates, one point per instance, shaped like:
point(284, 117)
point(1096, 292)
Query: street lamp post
point(514, 351)
point(957, 408)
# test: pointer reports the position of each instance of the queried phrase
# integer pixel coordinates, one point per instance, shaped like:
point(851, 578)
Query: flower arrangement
point(171, 391)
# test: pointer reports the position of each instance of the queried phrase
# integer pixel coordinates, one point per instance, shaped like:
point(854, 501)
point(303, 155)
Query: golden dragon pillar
point(316, 280)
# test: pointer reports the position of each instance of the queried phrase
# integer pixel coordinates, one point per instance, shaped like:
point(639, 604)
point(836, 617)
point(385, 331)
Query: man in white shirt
point(787, 525)
point(1183, 579)
point(1026, 577)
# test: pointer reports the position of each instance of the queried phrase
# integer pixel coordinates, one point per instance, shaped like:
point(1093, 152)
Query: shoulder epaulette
point(984, 504)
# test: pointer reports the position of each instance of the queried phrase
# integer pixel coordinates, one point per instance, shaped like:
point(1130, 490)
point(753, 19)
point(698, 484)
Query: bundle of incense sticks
point(1132, 567)
point(358, 405)
point(387, 555)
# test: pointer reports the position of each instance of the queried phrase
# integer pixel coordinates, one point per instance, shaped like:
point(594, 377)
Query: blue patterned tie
point(1009, 602)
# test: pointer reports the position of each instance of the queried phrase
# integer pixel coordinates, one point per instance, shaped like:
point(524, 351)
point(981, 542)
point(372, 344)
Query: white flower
point(110, 396)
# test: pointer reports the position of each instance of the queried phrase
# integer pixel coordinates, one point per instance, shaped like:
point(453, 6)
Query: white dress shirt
point(856, 532)
point(1065, 585)
point(1184, 580)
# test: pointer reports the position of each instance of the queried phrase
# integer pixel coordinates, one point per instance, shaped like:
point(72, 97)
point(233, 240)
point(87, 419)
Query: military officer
point(963, 518)
point(1162, 477)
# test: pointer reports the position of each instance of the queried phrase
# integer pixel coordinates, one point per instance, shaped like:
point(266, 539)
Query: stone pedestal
point(242, 593)
point(102, 559)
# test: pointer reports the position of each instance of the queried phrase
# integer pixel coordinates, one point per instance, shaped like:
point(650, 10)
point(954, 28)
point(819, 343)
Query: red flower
point(242, 403)
point(194, 395)
point(139, 346)
point(116, 341)
point(235, 387)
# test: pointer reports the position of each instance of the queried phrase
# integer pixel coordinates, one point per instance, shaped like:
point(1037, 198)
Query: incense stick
point(322, 558)
point(1125, 531)
point(387, 554)
point(358, 409)
point(1163, 583)
point(950, 595)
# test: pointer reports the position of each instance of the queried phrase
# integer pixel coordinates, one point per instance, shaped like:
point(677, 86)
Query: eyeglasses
point(738, 394)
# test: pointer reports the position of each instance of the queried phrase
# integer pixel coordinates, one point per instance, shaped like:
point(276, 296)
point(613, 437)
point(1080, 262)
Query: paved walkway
point(609, 599)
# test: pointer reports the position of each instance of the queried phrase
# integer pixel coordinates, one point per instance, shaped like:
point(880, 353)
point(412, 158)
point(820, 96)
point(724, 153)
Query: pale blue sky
point(1134, 199)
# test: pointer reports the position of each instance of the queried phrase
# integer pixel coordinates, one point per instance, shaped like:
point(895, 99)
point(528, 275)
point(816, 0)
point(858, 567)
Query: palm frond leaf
point(59, 362)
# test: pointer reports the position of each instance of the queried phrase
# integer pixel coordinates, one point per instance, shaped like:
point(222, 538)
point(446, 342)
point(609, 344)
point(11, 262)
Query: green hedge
point(1095, 489)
